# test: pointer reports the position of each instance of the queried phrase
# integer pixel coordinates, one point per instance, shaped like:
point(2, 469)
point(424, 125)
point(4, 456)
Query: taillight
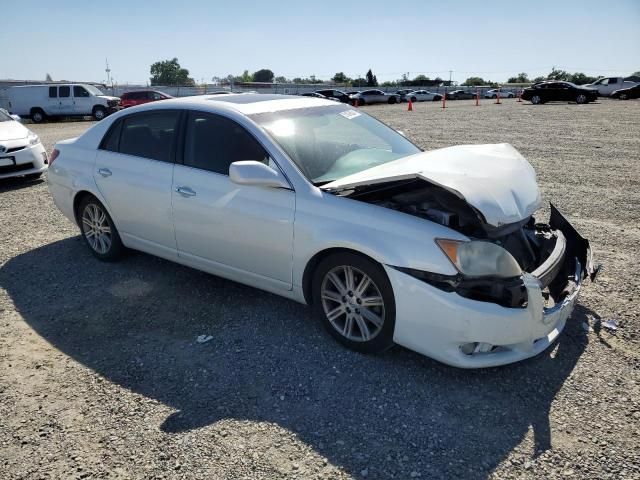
point(54, 155)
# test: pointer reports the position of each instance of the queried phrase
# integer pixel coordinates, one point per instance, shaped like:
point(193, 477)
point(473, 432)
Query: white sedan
point(320, 203)
point(21, 153)
point(495, 92)
point(423, 96)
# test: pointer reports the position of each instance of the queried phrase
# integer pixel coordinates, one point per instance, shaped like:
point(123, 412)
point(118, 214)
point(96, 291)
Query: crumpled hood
point(495, 178)
point(12, 130)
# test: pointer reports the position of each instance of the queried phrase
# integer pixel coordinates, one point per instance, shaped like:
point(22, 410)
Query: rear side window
point(213, 143)
point(149, 135)
point(65, 91)
point(111, 140)
point(53, 92)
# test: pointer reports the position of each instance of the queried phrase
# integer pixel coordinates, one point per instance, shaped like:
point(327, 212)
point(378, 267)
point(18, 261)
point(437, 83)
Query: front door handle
point(186, 191)
point(105, 172)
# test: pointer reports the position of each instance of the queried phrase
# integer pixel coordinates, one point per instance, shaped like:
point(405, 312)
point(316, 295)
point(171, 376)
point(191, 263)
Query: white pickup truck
point(606, 86)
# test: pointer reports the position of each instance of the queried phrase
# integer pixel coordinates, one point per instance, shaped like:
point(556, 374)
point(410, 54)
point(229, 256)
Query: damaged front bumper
point(473, 333)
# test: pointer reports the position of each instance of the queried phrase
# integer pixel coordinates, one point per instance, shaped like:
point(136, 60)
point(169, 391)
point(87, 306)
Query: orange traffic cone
point(410, 107)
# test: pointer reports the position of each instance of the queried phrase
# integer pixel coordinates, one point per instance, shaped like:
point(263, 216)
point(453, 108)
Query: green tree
point(169, 72)
point(282, 79)
point(263, 75)
point(557, 74)
point(420, 80)
point(340, 77)
point(520, 78)
point(372, 81)
point(580, 78)
point(360, 82)
point(475, 81)
point(539, 79)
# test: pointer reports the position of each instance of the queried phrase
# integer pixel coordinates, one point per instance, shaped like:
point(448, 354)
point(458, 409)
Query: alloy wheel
point(535, 99)
point(96, 228)
point(352, 303)
point(581, 98)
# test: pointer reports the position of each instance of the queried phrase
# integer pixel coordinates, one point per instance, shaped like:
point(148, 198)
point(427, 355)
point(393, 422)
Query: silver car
point(369, 97)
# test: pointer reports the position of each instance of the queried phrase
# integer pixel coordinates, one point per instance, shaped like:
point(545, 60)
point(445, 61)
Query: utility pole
point(450, 72)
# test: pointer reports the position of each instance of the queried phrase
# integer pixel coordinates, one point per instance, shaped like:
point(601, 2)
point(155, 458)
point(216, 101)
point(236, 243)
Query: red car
point(131, 99)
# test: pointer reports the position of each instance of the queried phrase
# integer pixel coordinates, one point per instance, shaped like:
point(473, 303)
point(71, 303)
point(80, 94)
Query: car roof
point(244, 103)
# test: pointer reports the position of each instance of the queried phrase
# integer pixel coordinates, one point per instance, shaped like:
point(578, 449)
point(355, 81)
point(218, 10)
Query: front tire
point(99, 113)
point(414, 99)
point(98, 230)
point(354, 300)
point(623, 96)
point(392, 100)
point(580, 99)
point(536, 100)
point(37, 115)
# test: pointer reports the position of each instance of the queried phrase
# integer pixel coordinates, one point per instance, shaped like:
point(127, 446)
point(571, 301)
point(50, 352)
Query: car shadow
point(18, 183)
point(136, 323)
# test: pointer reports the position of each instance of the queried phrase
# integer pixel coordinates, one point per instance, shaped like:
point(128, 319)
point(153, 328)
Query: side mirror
point(251, 172)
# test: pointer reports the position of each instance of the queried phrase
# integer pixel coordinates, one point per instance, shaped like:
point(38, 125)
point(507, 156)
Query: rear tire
point(344, 298)
point(580, 99)
point(414, 99)
point(37, 115)
point(391, 100)
point(98, 230)
point(536, 100)
point(623, 96)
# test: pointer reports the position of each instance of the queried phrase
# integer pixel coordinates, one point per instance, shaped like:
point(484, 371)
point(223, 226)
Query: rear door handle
point(105, 172)
point(186, 191)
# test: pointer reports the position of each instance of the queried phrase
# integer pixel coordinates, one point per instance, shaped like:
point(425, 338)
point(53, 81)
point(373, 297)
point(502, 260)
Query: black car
point(337, 94)
point(552, 91)
point(403, 94)
point(627, 93)
point(460, 95)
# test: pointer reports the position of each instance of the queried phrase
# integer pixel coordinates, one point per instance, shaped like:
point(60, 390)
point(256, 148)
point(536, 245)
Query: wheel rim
point(623, 96)
point(99, 114)
point(96, 229)
point(352, 303)
point(37, 117)
point(581, 99)
point(535, 99)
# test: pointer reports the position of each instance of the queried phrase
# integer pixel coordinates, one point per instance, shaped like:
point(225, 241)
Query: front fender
point(387, 236)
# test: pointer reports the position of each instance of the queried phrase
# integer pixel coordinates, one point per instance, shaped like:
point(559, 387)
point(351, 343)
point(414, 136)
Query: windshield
point(93, 90)
point(331, 142)
point(4, 116)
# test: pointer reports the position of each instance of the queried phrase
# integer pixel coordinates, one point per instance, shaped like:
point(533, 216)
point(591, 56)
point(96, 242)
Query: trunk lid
point(495, 179)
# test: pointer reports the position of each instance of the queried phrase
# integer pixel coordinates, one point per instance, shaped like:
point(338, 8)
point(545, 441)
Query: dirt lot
point(101, 376)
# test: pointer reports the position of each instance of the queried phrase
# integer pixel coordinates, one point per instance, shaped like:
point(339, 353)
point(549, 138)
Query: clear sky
point(493, 39)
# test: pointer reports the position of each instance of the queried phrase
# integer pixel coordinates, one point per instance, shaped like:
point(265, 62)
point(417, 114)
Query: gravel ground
point(101, 376)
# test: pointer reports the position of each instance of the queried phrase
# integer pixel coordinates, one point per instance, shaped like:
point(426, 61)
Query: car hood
point(108, 97)
point(495, 179)
point(12, 130)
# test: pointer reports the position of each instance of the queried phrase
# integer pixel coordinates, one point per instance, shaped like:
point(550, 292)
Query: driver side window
point(213, 143)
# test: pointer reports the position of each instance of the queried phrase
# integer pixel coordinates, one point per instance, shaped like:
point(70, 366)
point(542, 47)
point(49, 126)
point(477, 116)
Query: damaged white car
point(318, 202)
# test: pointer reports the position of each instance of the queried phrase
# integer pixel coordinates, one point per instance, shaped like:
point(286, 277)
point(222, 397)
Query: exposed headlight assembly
point(480, 259)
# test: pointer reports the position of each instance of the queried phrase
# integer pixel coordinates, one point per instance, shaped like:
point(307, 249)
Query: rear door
point(82, 100)
point(65, 100)
point(133, 170)
point(243, 231)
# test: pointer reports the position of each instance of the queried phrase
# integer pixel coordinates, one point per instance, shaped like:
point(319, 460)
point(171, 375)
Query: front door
point(133, 171)
point(241, 231)
point(82, 100)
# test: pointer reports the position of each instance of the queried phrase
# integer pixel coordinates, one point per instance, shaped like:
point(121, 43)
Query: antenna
point(108, 71)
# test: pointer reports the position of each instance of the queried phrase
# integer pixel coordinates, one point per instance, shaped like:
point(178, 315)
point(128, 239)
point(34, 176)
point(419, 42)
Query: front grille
point(15, 149)
point(113, 103)
point(15, 168)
